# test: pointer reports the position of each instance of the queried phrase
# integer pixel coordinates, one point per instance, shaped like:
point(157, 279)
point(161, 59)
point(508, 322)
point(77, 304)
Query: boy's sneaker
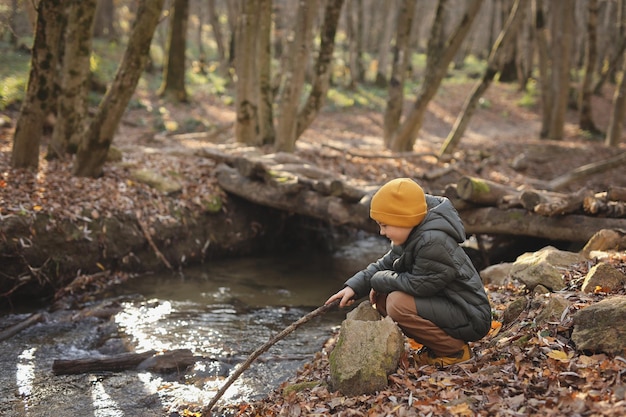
point(426, 356)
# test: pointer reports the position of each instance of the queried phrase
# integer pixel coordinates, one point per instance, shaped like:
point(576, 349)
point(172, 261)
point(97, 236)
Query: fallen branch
point(563, 205)
point(599, 205)
point(586, 170)
point(289, 329)
point(485, 192)
point(378, 155)
point(16, 328)
point(616, 193)
point(146, 233)
point(120, 362)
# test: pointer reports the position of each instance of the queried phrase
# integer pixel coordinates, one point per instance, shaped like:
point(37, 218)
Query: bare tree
point(384, 46)
point(616, 122)
point(94, 147)
point(294, 75)
point(267, 131)
point(354, 30)
point(541, 38)
point(585, 118)
point(508, 32)
point(401, 59)
point(173, 85)
point(104, 24)
point(563, 21)
point(438, 58)
point(42, 87)
point(75, 74)
point(246, 125)
point(217, 32)
point(323, 67)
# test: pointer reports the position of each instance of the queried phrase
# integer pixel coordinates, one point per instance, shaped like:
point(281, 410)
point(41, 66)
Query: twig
point(378, 155)
point(146, 233)
point(16, 328)
point(289, 329)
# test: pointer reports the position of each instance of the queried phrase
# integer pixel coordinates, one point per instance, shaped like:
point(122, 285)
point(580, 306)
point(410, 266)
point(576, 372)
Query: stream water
point(221, 311)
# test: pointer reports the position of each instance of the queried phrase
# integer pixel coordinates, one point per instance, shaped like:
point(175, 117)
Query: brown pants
point(401, 308)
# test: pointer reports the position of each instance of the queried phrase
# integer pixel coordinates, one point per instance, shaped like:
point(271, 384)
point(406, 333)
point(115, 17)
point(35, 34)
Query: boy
point(426, 283)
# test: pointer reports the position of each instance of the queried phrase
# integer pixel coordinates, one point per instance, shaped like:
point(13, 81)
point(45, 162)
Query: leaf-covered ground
point(519, 369)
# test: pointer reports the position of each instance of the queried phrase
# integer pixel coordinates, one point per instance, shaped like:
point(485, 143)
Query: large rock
point(603, 276)
point(601, 327)
point(605, 240)
point(366, 353)
point(497, 274)
point(544, 267)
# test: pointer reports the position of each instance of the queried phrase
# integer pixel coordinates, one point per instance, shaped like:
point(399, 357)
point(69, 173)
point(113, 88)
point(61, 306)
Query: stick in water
point(289, 329)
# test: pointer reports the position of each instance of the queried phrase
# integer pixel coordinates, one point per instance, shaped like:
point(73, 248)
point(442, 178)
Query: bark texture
point(93, 150)
point(42, 84)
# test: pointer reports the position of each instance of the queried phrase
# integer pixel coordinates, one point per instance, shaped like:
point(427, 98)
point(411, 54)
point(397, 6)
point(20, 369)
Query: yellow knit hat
point(400, 202)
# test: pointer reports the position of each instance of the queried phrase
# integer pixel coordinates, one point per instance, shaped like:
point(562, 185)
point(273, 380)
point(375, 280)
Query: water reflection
point(221, 311)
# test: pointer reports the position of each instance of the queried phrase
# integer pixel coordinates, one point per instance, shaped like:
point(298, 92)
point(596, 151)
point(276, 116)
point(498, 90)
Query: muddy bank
point(41, 254)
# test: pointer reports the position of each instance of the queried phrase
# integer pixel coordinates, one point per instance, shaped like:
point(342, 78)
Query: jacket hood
point(442, 216)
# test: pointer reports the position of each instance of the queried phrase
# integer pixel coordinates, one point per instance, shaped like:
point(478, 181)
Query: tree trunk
point(591, 54)
point(217, 32)
point(543, 57)
point(560, 79)
point(323, 67)
point(295, 76)
point(616, 122)
point(95, 145)
point(401, 60)
point(247, 125)
point(354, 23)
point(508, 31)
point(104, 26)
point(437, 60)
point(267, 132)
point(72, 111)
point(173, 86)
point(384, 45)
point(42, 87)
point(232, 11)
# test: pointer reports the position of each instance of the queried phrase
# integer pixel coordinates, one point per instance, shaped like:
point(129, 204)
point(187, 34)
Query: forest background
point(515, 91)
point(404, 81)
point(408, 79)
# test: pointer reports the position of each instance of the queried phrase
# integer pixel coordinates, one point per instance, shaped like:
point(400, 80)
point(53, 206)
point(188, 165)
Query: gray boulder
point(603, 276)
point(544, 267)
point(366, 353)
point(601, 327)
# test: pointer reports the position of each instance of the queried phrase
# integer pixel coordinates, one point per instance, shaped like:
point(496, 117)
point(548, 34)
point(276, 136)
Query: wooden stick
point(586, 171)
point(119, 362)
point(146, 233)
point(289, 329)
point(16, 328)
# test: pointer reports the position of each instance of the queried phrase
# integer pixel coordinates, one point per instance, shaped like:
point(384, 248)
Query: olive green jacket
point(433, 268)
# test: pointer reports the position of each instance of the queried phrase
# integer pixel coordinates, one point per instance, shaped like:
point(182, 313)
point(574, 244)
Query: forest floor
point(501, 144)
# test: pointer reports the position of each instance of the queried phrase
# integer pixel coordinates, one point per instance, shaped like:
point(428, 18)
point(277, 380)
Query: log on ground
point(120, 362)
point(519, 222)
point(177, 359)
point(332, 209)
point(485, 192)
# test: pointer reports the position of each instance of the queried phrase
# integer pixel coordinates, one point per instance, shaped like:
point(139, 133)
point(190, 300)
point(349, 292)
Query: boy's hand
point(346, 296)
